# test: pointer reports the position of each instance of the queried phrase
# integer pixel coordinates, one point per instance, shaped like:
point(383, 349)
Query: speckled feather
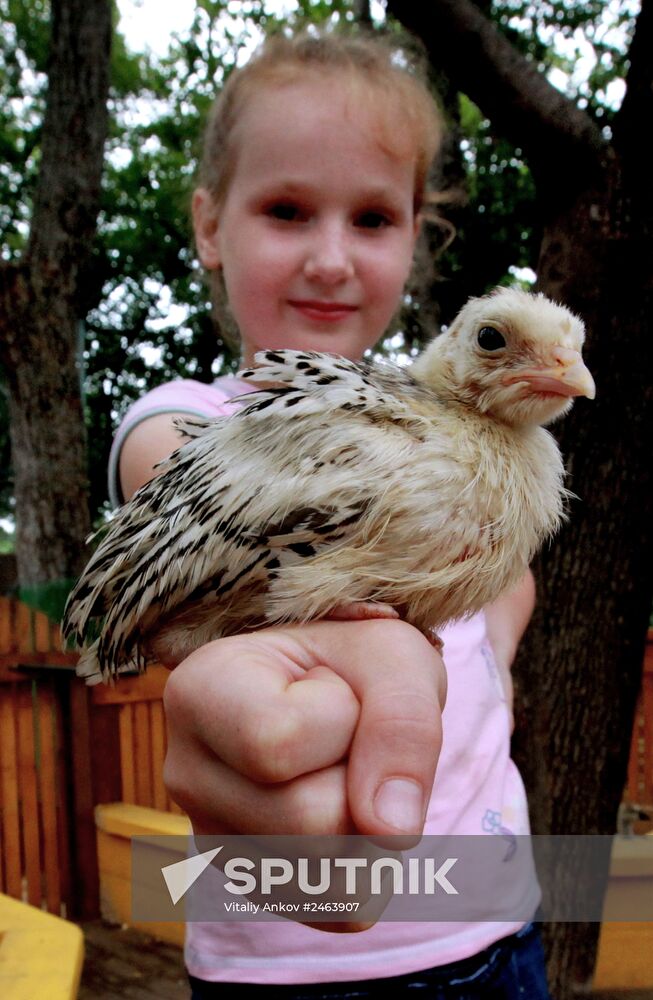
point(346, 481)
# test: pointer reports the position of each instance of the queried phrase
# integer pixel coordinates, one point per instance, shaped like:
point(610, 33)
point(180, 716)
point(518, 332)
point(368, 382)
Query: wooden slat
point(47, 774)
point(143, 755)
point(647, 731)
point(42, 641)
point(126, 730)
point(9, 792)
point(84, 861)
point(6, 634)
point(63, 804)
point(23, 628)
point(28, 795)
point(144, 687)
point(158, 731)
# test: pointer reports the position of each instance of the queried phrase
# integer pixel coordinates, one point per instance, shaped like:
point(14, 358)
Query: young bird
point(347, 489)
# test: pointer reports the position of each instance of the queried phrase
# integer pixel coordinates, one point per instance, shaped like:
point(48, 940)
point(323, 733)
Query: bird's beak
point(568, 376)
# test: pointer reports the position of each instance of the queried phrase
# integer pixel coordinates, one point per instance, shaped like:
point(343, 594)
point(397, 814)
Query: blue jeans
point(510, 969)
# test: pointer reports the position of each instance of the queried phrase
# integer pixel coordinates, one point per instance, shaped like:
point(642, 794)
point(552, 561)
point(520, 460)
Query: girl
point(312, 184)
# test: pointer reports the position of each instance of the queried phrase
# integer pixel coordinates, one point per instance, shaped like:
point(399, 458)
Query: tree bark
point(579, 667)
point(39, 311)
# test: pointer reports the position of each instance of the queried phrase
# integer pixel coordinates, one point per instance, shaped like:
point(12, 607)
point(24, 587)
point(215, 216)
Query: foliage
point(145, 308)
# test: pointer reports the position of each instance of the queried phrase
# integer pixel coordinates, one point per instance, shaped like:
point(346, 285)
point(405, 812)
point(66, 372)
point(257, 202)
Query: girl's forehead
point(323, 107)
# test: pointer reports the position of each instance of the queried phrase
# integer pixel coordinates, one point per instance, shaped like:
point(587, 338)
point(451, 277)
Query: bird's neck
point(435, 369)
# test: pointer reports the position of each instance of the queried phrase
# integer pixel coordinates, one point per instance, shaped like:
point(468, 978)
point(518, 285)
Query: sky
point(150, 23)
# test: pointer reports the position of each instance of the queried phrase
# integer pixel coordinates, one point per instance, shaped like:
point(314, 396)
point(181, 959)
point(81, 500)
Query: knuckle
point(271, 747)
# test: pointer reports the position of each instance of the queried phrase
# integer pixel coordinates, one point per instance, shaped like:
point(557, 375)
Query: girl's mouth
point(324, 312)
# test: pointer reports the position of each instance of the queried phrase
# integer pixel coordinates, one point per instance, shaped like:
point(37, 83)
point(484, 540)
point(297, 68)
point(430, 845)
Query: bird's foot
point(361, 611)
point(367, 610)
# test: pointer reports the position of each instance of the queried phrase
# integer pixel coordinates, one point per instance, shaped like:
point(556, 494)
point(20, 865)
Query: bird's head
point(513, 355)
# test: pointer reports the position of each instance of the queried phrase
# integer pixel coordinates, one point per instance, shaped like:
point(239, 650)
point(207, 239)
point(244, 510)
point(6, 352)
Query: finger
point(400, 682)
point(219, 799)
point(265, 704)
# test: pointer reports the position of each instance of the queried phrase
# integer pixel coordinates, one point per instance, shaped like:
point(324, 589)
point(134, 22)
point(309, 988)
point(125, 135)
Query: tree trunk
point(579, 669)
point(39, 312)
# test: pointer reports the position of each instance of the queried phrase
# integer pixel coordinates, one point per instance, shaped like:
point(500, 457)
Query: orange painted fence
point(46, 808)
point(65, 748)
point(141, 736)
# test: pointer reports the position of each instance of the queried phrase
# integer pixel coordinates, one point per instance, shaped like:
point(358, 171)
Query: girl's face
point(316, 232)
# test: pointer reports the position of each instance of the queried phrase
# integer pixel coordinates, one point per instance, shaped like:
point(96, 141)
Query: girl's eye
point(284, 211)
point(373, 220)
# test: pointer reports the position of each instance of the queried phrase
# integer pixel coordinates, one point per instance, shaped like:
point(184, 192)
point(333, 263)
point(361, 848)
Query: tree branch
point(636, 109)
point(560, 141)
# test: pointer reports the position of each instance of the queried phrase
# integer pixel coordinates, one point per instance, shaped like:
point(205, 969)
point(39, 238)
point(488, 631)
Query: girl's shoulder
point(180, 396)
point(187, 395)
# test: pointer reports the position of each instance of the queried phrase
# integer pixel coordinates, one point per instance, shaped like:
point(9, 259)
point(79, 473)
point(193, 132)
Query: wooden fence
point(47, 837)
point(134, 709)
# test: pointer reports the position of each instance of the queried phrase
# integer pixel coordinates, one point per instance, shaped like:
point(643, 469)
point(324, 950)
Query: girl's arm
point(506, 620)
point(148, 443)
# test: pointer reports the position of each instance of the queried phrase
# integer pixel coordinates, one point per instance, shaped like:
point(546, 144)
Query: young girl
point(312, 184)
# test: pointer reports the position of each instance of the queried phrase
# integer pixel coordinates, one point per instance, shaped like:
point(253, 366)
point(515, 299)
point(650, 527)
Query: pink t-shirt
point(477, 790)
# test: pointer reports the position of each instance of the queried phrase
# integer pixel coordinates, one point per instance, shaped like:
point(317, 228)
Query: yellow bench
point(40, 955)
point(116, 823)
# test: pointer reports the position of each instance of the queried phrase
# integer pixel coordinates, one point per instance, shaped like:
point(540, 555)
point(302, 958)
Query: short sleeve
point(180, 396)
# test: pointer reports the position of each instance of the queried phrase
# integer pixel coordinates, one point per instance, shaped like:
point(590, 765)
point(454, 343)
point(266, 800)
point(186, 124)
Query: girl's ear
point(205, 225)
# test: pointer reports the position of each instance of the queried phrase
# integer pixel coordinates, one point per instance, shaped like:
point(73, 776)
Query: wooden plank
point(632, 785)
point(126, 730)
point(144, 687)
point(105, 753)
point(143, 755)
point(158, 731)
point(48, 785)
point(5, 624)
point(64, 797)
point(647, 732)
point(28, 794)
point(23, 628)
point(84, 861)
point(42, 641)
point(9, 791)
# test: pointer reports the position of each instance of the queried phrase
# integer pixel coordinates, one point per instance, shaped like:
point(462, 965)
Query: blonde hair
point(370, 66)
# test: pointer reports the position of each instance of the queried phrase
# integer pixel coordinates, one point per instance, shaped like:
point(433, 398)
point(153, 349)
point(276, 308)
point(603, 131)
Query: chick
point(347, 489)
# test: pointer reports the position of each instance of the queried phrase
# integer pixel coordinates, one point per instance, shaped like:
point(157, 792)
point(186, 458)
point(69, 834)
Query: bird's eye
point(490, 339)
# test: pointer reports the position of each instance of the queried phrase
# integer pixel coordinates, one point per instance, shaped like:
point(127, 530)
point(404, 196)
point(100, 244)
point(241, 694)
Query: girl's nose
point(329, 256)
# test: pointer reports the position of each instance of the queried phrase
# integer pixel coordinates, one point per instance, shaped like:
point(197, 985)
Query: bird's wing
point(319, 383)
point(241, 498)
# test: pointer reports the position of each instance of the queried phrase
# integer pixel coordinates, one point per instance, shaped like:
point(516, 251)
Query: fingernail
point(399, 802)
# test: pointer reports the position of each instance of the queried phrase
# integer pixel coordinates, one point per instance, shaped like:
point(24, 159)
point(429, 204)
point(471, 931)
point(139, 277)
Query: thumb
point(400, 682)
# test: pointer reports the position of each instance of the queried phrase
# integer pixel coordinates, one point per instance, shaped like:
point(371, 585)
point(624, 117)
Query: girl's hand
point(325, 728)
